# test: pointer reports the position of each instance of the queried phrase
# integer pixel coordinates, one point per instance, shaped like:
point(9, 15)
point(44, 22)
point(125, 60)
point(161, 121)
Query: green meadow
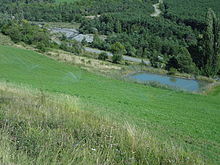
point(41, 128)
point(187, 119)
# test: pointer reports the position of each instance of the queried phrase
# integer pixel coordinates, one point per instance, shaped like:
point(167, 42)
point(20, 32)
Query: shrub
point(103, 56)
point(172, 71)
point(41, 47)
point(116, 58)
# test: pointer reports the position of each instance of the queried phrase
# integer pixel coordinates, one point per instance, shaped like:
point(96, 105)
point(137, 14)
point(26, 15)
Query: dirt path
point(157, 10)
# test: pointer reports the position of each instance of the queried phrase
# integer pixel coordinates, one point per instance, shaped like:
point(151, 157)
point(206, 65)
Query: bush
point(116, 58)
point(103, 56)
point(41, 47)
point(72, 47)
point(172, 71)
point(23, 31)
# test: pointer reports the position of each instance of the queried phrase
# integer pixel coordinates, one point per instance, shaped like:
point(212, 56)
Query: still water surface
point(180, 83)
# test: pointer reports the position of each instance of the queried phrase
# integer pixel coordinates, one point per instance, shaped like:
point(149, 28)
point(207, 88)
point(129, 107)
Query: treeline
point(168, 44)
point(202, 17)
point(191, 10)
point(26, 1)
point(172, 42)
point(47, 10)
point(39, 37)
point(23, 31)
point(40, 11)
point(159, 39)
point(206, 53)
point(31, 34)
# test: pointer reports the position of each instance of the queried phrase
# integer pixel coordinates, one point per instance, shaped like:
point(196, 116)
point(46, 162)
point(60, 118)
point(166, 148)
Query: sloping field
point(188, 119)
point(44, 128)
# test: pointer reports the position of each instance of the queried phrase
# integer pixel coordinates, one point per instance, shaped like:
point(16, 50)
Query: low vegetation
point(41, 128)
point(23, 31)
point(5, 40)
point(177, 118)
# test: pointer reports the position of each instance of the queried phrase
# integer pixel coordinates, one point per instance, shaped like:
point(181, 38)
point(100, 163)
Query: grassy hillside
point(40, 128)
point(188, 119)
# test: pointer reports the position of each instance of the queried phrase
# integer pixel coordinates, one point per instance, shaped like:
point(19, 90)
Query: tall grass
point(41, 128)
point(5, 40)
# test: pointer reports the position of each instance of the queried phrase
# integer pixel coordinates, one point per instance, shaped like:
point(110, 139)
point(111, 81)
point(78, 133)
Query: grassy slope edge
point(189, 119)
point(41, 128)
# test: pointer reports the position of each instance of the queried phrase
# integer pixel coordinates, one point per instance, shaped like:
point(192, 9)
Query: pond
point(179, 83)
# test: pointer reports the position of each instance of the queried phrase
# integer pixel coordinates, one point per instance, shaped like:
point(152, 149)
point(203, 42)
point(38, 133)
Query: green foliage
point(23, 31)
point(4, 19)
point(72, 46)
point(118, 48)
point(5, 40)
point(156, 60)
point(103, 56)
point(97, 42)
point(84, 42)
point(142, 36)
point(206, 54)
point(172, 71)
point(46, 10)
point(211, 45)
point(60, 1)
point(130, 25)
point(63, 38)
point(41, 46)
point(190, 9)
point(182, 62)
point(185, 62)
point(116, 58)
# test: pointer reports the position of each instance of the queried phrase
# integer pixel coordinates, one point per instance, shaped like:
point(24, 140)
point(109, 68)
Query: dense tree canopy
point(174, 40)
point(211, 45)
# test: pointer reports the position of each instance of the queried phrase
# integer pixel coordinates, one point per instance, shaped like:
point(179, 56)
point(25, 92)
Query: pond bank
point(190, 85)
point(140, 69)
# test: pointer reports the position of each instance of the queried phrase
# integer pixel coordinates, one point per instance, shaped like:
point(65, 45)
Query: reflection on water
point(172, 79)
point(181, 83)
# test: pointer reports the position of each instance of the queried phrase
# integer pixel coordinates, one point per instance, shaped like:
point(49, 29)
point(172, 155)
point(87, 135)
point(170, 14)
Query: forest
point(191, 9)
point(174, 41)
